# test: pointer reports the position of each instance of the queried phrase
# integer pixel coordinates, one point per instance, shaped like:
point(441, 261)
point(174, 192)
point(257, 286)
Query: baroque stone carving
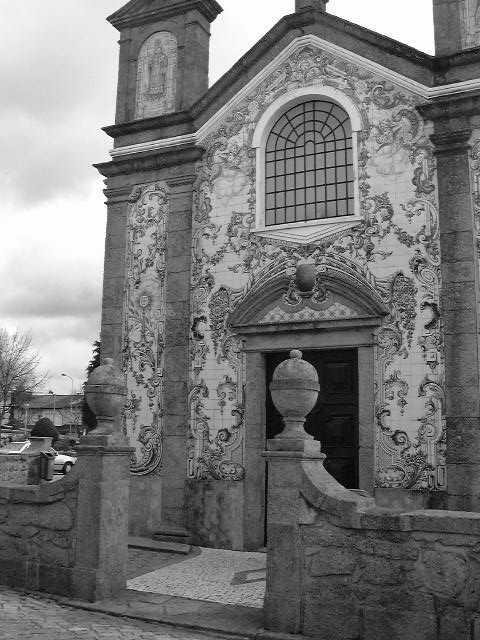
point(156, 76)
point(144, 322)
point(395, 249)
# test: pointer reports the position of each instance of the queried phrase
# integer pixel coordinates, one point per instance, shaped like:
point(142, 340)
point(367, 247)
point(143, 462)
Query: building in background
point(322, 195)
point(65, 411)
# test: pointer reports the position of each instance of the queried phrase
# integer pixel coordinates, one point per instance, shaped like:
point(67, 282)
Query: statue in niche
point(157, 73)
point(471, 23)
point(156, 76)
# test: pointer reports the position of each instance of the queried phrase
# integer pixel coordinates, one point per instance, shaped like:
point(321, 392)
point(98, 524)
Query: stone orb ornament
point(294, 390)
point(105, 393)
point(305, 277)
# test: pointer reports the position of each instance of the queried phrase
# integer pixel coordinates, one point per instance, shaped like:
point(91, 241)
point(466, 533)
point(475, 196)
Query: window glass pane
point(331, 209)
point(342, 208)
point(330, 173)
point(310, 178)
point(300, 211)
point(269, 218)
point(310, 163)
point(270, 201)
point(280, 216)
point(341, 174)
point(290, 166)
point(280, 183)
point(281, 199)
point(300, 164)
point(330, 160)
point(320, 194)
point(270, 185)
point(311, 212)
point(290, 198)
point(270, 169)
point(299, 180)
point(290, 181)
point(300, 196)
point(331, 195)
point(310, 195)
point(290, 214)
point(341, 190)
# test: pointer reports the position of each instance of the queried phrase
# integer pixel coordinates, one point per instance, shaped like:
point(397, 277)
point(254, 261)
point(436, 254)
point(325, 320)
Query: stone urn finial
point(294, 390)
point(105, 393)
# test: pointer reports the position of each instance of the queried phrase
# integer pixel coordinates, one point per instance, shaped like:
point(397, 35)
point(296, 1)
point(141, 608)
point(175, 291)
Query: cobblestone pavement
point(26, 617)
point(215, 575)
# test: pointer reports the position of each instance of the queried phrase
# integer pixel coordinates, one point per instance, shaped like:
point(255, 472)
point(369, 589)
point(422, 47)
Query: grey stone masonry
point(460, 297)
point(340, 568)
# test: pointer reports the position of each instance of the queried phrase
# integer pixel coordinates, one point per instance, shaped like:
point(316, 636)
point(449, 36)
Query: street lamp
point(27, 406)
point(52, 393)
point(66, 375)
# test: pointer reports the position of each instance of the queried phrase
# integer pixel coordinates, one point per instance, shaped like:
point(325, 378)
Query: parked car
point(62, 463)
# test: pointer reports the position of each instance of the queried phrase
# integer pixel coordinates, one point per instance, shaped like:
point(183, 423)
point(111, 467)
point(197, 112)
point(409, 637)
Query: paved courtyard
point(215, 575)
point(25, 617)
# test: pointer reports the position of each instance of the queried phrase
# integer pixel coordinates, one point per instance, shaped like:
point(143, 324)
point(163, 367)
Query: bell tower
point(457, 25)
point(164, 55)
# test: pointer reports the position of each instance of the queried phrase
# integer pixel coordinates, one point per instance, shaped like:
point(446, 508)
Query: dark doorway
point(334, 420)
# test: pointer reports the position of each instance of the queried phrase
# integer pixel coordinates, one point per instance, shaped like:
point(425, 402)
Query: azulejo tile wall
point(395, 247)
point(144, 324)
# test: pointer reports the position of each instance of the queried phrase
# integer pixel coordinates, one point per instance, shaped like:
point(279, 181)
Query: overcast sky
point(58, 66)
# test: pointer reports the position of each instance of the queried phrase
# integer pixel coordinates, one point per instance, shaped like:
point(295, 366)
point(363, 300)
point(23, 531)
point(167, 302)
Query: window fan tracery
point(309, 171)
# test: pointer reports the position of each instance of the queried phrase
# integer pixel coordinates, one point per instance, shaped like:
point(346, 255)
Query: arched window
point(309, 171)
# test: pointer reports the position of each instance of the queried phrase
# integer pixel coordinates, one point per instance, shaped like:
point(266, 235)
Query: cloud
point(58, 69)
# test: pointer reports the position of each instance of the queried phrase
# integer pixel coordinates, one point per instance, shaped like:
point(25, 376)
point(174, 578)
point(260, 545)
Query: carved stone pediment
point(342, 292)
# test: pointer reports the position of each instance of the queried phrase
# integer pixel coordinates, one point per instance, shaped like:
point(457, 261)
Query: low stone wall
point(348, 570)
point(38, 527)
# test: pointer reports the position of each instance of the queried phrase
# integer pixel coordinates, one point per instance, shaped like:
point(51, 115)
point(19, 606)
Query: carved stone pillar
point(294, 392)
point(102, 513)
point(459, 301)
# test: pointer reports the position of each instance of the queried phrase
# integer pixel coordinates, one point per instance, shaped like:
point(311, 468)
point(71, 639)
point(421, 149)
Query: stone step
point(171, 533)
point(149, 544)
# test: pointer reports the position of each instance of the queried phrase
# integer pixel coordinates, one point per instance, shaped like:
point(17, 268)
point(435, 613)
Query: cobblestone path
point(25, 617)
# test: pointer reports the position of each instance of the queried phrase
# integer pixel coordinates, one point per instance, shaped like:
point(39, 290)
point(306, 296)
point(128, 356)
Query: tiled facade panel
point(395, 248)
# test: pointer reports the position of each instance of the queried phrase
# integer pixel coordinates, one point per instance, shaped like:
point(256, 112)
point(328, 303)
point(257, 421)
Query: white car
point(62, 463)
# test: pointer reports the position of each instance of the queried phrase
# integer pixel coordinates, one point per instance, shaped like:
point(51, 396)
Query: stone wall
point(38, 526)
point(365, 573)
point(70, 536)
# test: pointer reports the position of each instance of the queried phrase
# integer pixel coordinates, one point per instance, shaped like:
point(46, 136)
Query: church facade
point(323, 195)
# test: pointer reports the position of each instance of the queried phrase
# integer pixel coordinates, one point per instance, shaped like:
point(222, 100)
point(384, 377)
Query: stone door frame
point(327, 335)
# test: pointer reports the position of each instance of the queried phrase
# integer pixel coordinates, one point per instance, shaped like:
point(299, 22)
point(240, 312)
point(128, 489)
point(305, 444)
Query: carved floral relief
point(394, 249)
point(143, 324)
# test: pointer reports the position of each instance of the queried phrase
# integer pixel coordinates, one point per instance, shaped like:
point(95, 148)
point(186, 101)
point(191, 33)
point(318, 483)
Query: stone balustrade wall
point(367, 573)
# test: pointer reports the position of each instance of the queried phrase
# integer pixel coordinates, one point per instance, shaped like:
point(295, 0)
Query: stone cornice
point(138, 12)
point(451, 142)
point(150, 161)
point(147, 124)
point(452, 106)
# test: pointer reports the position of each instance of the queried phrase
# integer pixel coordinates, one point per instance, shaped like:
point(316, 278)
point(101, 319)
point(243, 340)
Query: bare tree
point(19, 368)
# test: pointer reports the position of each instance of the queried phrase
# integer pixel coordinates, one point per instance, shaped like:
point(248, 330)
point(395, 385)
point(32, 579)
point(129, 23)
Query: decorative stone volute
point(105, 392)
point(294, 390)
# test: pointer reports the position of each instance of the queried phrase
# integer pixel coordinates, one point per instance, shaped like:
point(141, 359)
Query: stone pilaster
point(102, 519)
point(459, 306)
